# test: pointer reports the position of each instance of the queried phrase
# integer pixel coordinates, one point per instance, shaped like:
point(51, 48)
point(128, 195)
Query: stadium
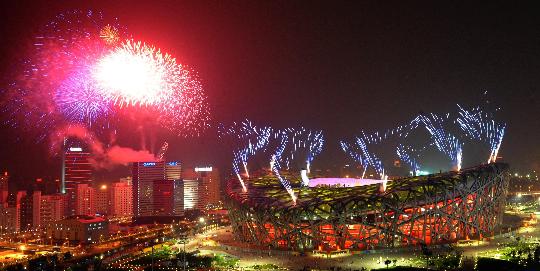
point(333, 216)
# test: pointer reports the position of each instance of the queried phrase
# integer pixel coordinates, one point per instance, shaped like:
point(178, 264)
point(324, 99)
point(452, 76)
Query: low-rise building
point(79, 230)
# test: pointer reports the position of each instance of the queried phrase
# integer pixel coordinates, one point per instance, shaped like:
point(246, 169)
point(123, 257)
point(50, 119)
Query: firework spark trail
point(444, 141)
point(370, 159)
point(277, 160)
point(303, 143)
point(236, 169)
point(360, 152)
point(482, 127)
point(355, 155)
point(315, 144)
point(255, 139)
point(261, 136)
point(409, 156)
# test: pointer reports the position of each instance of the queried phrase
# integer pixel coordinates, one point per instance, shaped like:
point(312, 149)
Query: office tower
point(168, 197)
point(191, 195)
point(122, 198)
point(102, 199)
point(76, 170)
point(85, 201)
point(178, 198)
point(4, 181)
point(209, 190)
point(144, 176)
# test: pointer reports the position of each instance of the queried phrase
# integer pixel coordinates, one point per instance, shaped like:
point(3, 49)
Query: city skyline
point(269, 135)
point(331, 86)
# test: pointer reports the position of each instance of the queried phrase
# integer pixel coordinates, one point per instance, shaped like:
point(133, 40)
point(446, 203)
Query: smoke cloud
point(101, 157)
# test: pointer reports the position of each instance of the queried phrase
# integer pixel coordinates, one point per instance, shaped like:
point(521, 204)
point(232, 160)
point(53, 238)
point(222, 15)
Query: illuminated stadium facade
point(433, 209)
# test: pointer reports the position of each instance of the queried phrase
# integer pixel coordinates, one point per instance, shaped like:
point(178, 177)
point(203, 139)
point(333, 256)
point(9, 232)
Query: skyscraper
point(191, 195)
point(168, 198)
point(209, 185)
point(144, 176)
point(76, 170)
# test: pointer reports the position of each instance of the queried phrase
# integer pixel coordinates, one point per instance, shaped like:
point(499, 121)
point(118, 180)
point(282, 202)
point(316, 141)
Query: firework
point(53, 88)
point(315, 144)
point(482, 127)
point(276, 164)
point(79, 100)
point(236, 160)
point(370, 159)
point(255, 138)
point(444, 141)
point(360, 150)
point(137, 74)
point(79, 73)
point(187, 111)
point(409, 156)
point(109, 34)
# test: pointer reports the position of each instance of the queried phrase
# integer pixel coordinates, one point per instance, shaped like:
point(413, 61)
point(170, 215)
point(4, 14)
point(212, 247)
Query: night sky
point(341, 67)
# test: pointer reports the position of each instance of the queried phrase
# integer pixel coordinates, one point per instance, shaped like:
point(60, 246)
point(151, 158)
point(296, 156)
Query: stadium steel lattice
point(439, 208)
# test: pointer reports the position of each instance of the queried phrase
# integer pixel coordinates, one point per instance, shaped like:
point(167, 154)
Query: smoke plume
point(101, 157)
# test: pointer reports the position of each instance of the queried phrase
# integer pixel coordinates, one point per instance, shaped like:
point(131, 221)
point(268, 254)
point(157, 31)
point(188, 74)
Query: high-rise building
point(4, 181)
point(122, 198)
point(209, 189)
point(36, 209)
point(144, 176)
point(85, 201)
point(102, 199)
point(178, 198)
point(191, 195)
point(76, 170)
point(168, 198)
point(26, 201)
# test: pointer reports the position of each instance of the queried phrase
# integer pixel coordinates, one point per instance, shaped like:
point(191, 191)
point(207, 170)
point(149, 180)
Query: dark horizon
point(341, 68)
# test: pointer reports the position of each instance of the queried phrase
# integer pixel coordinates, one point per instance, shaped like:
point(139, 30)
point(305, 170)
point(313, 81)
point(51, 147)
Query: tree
point(16, 267)
point(427, 253)
point(387, 262)
point(67, 256)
